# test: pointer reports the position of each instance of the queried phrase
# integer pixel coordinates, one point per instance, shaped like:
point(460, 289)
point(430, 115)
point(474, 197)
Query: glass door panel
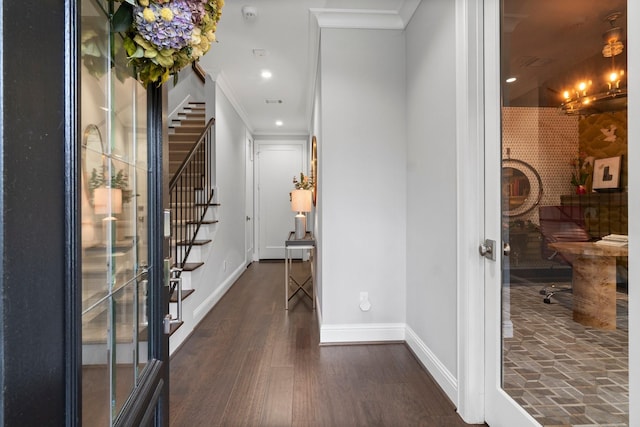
point(564, 300)
point(115, 229)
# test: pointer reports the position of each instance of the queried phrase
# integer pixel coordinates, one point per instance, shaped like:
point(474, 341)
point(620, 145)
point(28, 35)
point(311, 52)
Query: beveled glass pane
point(140, 110)
point(142, 221)
point(142, 355)
point(96, 383)
point(125, 329)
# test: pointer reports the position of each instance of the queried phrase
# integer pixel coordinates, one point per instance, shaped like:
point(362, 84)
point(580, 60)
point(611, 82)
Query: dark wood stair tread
point(185, 294)
point(175, 326)
point(206, 221)
point(195, 242)
point(207, 204)
point(191, 266)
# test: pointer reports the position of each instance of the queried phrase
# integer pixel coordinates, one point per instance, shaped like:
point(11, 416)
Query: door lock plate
point(488, 249)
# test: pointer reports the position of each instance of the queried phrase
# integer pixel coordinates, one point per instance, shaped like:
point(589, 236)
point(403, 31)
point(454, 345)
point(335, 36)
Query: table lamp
point(107, 200)
point(301, 203)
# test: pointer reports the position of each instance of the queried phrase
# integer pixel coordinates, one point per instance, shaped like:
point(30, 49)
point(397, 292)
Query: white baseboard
point(212, 300)
point(445, 379)
point(362, 332)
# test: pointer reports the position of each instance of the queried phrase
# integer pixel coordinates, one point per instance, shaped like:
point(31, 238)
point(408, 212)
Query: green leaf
point(129, 46)
point(123, 18)
point(150, 53)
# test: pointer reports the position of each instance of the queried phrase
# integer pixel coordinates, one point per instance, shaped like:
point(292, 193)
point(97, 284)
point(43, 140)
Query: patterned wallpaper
point(548, 141)
point(605, 135)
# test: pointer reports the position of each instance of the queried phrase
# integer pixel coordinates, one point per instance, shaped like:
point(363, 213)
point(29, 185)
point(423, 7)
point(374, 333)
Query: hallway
point(250, 363)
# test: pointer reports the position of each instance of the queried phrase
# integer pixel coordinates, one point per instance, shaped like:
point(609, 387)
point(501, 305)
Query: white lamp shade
point(301, 200)
point(107, 201)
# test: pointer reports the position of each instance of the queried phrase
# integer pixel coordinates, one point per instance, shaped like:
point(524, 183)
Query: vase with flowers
point(305, 183)
point(581, 170)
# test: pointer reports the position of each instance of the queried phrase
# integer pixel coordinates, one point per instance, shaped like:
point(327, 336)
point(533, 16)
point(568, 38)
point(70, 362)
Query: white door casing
point(249, 195)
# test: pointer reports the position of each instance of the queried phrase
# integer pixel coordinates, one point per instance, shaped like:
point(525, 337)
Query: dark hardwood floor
point(251, 363)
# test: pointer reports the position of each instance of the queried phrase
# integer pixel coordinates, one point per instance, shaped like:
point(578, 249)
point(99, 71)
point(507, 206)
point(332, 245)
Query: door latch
point(488, 249)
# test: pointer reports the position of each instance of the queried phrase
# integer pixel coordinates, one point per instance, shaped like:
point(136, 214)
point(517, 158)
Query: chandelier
point(611, 95)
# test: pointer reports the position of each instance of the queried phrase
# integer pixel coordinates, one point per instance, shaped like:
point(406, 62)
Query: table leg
point(594, 291)
point(313, 279)
point(286, 279)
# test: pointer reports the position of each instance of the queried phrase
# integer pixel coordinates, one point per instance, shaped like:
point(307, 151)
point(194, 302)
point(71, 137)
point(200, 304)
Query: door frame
point(250, 200)
point(469, 17)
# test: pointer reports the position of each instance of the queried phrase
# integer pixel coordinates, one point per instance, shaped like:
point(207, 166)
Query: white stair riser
point(96, 354)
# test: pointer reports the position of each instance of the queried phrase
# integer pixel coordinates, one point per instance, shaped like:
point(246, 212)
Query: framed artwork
point(314, 167)
point(606, 173)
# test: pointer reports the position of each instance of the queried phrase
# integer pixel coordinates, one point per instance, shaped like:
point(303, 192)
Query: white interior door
point(278, 163)
point(249, 195)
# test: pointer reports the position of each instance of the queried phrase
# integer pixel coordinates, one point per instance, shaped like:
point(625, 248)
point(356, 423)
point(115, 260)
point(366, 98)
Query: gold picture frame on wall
point(314, 167)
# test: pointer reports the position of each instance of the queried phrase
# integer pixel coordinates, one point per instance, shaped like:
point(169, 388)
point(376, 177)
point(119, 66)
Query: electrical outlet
point(365, 305)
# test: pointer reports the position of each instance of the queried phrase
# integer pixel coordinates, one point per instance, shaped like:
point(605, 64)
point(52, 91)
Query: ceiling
point(283, 31)
point(550, 45)
point(547, 42)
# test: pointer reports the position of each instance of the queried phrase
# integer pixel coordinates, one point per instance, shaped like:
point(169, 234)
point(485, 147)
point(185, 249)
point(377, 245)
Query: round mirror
point(92, 157)
point(521, 187)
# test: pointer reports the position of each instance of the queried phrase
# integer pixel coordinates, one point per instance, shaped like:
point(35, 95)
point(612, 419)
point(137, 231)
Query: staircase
point(184, 131)
point(191, 202)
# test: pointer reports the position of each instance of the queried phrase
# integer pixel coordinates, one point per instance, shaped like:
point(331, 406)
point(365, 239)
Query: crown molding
point(224, 86)
point(380, 19)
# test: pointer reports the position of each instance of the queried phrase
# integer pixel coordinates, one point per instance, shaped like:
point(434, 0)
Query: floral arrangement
point(581, 170)
point(305, 182)
point(163, 36)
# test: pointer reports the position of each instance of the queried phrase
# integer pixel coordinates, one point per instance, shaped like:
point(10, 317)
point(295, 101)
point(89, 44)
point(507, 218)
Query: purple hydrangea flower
point(174, 34)
point(197, 10)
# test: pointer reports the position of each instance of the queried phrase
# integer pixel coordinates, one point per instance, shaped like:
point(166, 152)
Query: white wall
point(188, 89)
point(316, 127)
point(230, 186)
point(431, 181)
point(224, 257)
point(363, 183)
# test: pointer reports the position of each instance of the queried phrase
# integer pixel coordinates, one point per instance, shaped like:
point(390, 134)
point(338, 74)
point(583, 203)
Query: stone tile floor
point(561, 372)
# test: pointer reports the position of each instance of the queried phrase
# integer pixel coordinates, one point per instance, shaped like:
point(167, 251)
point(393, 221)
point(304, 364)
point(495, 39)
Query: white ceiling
point(560, 34)
point(552, 44)
point(286, 30)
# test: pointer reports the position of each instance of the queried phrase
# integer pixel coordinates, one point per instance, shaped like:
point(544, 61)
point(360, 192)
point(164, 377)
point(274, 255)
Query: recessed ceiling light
point(279, 123)
point(266, 74)
point(511, 80)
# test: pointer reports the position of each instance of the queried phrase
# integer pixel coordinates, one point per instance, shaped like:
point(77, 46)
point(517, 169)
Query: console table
point(594, 281)
point(306, 243)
